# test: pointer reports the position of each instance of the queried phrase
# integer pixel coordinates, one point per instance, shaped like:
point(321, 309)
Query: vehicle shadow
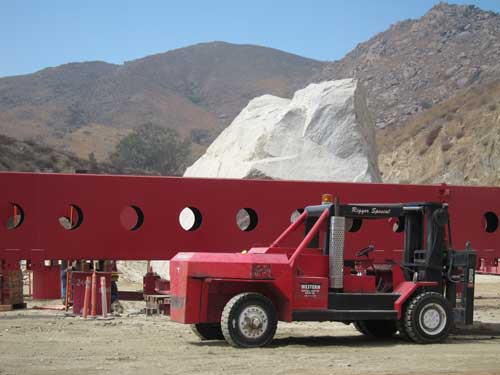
point(358, 341)
point(312, 341)
point(478, 332)
point(478, 329)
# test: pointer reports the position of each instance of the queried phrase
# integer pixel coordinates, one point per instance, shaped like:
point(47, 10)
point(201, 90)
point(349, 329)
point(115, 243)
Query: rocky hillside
point(88, 107)
point(457, 141)
point(30, 156)
point(411, 72)
point(416, 64)
point(198, 90)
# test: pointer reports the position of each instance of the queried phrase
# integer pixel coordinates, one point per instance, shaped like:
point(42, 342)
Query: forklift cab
point(428, 255)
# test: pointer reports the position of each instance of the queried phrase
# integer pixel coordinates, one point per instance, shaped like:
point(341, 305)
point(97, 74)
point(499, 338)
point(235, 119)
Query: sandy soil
point(43, 342)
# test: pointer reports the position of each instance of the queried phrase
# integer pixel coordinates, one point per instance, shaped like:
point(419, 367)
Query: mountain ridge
point(417, 63)
point(189, 89)
point(407, 70)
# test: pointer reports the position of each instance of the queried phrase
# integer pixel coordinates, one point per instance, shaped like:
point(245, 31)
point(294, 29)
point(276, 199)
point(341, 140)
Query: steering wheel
point(364, 252)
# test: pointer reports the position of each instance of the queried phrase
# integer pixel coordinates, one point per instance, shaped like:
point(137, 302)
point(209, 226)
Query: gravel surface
point(46, 342)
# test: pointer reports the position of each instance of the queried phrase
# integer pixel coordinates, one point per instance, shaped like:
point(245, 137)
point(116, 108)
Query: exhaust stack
point(336, 250)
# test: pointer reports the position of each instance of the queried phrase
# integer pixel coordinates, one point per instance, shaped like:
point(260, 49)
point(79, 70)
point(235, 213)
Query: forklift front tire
point(428, 318)
point(208, 331)
point(249, 320)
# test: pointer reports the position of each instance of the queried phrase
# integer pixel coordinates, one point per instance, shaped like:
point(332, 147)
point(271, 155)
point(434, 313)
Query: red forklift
point(240, 297)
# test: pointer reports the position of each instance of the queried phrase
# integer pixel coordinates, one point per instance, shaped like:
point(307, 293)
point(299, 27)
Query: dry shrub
point(415, 129)
point(5, 141)
point(54, 159)
point(446, 144)
point(470, 105)
point(432, 135)
point(460, 132)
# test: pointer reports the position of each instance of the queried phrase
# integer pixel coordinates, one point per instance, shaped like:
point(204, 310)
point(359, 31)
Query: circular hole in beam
point(16, 216)
point(247, 219)
point(398, 225)
point(353, 224)
point(295, 214)
point(190, 218)
point(132, 217)
point(73, 219)
point(490, 222)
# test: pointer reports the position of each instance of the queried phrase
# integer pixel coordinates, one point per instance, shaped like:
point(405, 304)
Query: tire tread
point(409, 321)
point(228, 310)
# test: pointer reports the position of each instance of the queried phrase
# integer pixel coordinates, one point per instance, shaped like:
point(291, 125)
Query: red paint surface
point(47, 283)
point(405, 291)
point(105, 201)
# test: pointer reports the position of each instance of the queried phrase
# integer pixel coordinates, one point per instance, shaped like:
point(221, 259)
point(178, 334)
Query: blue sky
point(37, 34)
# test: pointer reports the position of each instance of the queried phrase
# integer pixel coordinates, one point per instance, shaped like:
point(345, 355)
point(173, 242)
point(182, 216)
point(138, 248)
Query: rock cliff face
point(416, 64)
point(457, 142)
point(324, 133)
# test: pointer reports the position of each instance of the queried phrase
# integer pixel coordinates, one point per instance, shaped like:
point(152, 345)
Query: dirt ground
point(46, 342)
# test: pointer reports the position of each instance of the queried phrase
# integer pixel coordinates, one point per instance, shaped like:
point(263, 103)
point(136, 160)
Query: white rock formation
point(324, 133)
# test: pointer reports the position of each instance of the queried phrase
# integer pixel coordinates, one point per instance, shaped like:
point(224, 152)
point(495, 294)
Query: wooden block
point(12, 306)
point(11, 291)
point(6, 307)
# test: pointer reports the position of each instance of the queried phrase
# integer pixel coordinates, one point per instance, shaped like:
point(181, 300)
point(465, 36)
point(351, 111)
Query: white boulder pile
point(324, 133)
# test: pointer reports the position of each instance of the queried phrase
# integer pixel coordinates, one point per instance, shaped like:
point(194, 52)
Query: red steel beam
point(131, 217)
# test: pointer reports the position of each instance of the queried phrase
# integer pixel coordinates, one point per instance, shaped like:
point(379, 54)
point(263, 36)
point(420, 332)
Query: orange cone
point(86, 300)
point(94, 295)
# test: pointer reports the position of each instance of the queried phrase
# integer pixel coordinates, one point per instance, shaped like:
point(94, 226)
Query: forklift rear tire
point(208, 331)
point(376, 328)
point(428, 318)
point(249, 320)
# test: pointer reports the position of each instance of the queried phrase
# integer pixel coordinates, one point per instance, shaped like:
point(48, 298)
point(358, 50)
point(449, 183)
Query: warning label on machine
point(310, 289)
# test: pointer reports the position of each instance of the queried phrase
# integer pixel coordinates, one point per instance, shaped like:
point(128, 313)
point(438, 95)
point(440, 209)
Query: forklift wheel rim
point(432, 319)
point(253, 322)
